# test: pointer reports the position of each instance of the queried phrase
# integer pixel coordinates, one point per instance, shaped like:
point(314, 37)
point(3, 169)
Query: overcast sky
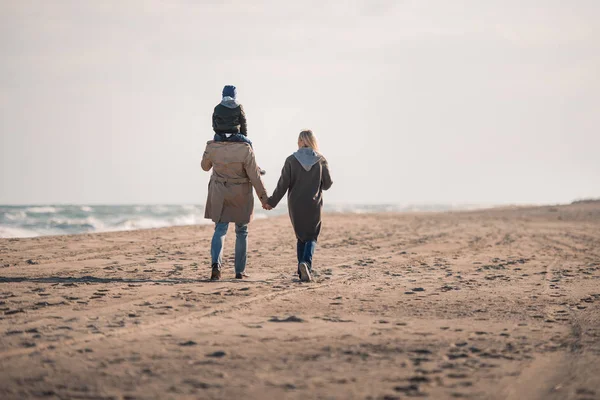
point(107, 102)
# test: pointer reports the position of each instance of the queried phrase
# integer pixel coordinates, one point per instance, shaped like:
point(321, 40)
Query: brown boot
point(216, 273)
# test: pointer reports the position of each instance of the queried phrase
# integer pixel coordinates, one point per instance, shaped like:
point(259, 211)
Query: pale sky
point(108, 102)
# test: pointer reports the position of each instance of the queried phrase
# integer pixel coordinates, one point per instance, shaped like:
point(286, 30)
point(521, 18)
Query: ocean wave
point(42, 210)
point(88, 223)
point(17, 216)
point(150, 223)
point(12, 232)
point(140, 223)
point(41, 220)
point(191, 219)
point(159, 209)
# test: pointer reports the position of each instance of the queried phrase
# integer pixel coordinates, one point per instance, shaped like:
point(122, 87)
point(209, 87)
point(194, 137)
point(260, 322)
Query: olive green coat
point(235, 172)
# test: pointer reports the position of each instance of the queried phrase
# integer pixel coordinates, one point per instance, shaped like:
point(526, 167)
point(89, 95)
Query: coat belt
point(232, 181)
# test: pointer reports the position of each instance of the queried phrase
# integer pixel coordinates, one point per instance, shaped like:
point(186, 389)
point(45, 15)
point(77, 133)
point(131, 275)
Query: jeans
point(241, 244)
point(305, 252)
point(235, 137)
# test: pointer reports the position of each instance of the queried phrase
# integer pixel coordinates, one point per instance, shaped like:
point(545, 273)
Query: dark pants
point(305, 252)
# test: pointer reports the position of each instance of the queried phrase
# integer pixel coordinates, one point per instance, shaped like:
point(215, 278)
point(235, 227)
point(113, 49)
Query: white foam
point(10, 232)
point(139, 223)
point(88, 221)
point(190, 219)
point(21, 215)
point(86, 209)
point(41, 210)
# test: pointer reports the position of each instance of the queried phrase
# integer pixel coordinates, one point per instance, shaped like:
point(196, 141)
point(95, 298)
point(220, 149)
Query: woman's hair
point(309, 139)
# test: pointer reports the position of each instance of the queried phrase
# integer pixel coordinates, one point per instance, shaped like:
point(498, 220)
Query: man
point(230, 198)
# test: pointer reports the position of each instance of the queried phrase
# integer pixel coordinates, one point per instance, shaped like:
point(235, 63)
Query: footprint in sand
point(196, 384)
point(217, 354)
point(291, 318)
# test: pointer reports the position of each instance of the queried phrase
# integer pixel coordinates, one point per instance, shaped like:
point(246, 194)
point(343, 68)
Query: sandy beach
point(491, 304)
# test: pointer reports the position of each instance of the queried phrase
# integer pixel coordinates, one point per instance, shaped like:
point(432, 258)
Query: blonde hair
point(309, 139)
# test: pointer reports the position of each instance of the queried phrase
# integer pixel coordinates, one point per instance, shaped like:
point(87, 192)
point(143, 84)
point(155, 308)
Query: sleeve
point(214, 119)
point(326, 181)
point(283, 184)
point(206, 161)
point(243, 125)
point(253, 173)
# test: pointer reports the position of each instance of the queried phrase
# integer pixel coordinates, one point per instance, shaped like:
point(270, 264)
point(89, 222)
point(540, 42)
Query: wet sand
point(493, 304)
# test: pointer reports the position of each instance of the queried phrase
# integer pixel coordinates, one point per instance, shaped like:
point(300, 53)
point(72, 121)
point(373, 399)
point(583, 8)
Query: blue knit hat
point(229, 90)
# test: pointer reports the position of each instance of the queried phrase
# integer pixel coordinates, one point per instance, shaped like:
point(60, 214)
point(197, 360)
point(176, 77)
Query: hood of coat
point(307, 157)
point(230, 102)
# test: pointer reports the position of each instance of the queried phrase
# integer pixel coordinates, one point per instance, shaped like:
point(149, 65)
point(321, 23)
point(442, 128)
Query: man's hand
point(266, 206)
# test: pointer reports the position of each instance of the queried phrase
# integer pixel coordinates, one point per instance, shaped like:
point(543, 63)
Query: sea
point(44, 220)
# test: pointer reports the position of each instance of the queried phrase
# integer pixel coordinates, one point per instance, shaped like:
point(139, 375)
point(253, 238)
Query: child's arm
point(214, 120)
point(243, 126)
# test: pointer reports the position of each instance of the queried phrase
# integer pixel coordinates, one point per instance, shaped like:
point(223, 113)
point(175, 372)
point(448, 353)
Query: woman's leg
point(300, 250)
point(309, 250)
point(216, 246)
point(241, 245)
point(300, 253)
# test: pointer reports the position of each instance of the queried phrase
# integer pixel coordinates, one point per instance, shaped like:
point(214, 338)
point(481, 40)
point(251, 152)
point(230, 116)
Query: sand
point(494, 304)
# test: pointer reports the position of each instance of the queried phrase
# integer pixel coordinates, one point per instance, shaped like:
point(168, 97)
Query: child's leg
point(246, 140)
point(238, 137)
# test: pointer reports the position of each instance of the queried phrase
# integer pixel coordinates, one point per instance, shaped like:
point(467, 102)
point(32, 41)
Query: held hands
point(266, 205)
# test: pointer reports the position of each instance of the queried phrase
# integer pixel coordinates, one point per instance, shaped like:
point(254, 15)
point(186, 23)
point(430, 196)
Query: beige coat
point(234, 174)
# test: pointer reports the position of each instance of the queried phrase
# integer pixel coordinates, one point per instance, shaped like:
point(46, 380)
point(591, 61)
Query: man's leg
point(241, 245)
point(216, 246)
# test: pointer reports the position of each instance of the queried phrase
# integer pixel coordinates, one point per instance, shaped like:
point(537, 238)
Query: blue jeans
point(241, 244)
point(305, 252)
point(235, 137)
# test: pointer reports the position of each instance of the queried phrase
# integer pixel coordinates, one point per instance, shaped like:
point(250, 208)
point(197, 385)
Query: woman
point(230, 198)
point(304, 176)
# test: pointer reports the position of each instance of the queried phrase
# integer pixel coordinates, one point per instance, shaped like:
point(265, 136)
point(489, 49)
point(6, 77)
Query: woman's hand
point(266, 206)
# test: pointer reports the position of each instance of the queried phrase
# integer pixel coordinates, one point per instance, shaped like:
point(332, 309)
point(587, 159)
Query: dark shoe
point(305, 275)
point(216, 273)
point(241, 275)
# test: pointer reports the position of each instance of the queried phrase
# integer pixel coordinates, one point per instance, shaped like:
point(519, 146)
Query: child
point(229, 119)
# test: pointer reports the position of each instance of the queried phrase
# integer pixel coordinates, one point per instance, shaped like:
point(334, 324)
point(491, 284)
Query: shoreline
point(51, 219)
